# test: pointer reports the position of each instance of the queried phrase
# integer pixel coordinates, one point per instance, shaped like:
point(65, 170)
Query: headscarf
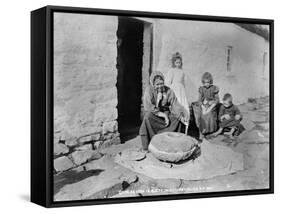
point(154, 75)
point(160, 95)
point(151, 98)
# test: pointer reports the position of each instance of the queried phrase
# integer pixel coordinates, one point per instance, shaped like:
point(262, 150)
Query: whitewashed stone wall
point(85, 93)
point(204, 48)
point(85, 74)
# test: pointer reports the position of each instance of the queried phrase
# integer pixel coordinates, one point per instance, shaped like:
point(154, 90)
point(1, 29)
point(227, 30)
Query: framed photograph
point(134, 106)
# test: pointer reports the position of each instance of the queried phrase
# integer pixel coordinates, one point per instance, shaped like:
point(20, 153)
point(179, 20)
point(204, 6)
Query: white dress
point(175, 80)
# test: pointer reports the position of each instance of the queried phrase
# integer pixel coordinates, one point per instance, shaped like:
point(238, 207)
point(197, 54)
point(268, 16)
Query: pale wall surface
point(85, 96)
point(85, 74)
point(204, 48)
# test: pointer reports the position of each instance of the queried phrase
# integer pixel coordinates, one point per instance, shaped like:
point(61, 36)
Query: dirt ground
point(104, 178)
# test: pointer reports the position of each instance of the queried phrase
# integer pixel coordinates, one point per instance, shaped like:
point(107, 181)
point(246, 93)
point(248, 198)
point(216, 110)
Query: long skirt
point(207, 123)
point(152, 125)
point(180, 93)
point(232, 123)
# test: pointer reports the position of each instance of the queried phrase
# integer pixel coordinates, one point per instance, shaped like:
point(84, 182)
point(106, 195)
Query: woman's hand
point(165, 117)
point(184, 120)
point(167, 121)
point(159, 97)
point(237, 117)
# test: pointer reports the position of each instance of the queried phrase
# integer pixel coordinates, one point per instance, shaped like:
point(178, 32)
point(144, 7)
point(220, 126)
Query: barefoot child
point(229, 117)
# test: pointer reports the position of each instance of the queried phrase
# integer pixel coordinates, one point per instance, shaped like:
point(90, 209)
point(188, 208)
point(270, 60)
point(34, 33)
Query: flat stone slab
point(133, 155)
point(249, 125)
point(215, 160)
point(97, 179)
point(254, 136)
point(256, 116)
point(80, 157)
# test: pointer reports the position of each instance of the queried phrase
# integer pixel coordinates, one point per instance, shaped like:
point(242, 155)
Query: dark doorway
point(129, 78)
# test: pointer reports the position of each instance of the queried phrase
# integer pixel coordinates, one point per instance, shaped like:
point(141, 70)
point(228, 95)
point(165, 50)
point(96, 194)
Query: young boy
point(229, 118)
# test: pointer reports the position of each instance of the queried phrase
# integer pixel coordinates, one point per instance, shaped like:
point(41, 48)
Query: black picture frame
point(42, 104)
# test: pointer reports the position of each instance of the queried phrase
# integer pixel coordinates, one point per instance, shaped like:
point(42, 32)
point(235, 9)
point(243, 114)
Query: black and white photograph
point(158, 106)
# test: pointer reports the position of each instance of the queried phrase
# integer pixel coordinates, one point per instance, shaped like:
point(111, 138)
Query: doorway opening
point(133, 66)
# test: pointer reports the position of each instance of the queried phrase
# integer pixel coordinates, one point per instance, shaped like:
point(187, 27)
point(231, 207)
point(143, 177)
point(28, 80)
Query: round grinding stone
point(172, 146)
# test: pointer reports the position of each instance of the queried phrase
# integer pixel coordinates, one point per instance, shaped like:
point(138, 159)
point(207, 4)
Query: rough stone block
point(89, 130)
point(110, 127)
point(97, 144)
point(60, 148)
point(71, 142)
point(89, 138)
point(62, 164)
point(80, 157)
point(86, 147)
point(68, 139)
point(108, 136)
point(108, 143)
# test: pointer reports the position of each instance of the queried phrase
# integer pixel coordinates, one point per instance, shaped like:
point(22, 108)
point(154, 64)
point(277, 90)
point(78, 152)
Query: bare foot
point(201, 137)
point(215, 134)
point(143, 150)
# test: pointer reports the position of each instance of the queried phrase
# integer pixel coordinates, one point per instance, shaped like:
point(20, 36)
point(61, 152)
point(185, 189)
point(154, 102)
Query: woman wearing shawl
point(163, 113)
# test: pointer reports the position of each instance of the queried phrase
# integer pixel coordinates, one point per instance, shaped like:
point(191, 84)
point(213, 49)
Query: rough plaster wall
point(204, 48)
point(85, 95)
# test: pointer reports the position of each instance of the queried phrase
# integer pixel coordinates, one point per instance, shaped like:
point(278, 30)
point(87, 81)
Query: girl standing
point(175, 80)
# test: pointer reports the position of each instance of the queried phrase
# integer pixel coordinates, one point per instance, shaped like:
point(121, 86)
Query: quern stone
point(172, 146)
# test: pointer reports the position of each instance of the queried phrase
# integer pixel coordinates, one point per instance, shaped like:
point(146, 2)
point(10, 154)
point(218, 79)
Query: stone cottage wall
point(204, 48)
point(85, 93)
point(85, 74)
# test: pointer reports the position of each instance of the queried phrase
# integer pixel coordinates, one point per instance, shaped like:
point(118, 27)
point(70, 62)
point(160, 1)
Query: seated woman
point(163, 113)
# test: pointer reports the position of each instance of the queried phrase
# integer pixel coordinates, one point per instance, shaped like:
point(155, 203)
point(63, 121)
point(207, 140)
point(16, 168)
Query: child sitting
point(205, 109)
point(229, 118)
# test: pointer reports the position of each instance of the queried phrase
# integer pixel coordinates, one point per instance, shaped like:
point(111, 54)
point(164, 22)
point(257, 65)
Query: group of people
point(167, 109)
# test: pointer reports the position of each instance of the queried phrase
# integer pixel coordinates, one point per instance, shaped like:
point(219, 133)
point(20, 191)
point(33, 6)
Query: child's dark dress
point(206, 123)
point(231, 123)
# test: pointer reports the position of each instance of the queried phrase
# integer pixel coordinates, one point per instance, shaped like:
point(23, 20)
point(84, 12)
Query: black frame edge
point(271, 114)
point(38, 153)
point(154, 14)
point(44, 174)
